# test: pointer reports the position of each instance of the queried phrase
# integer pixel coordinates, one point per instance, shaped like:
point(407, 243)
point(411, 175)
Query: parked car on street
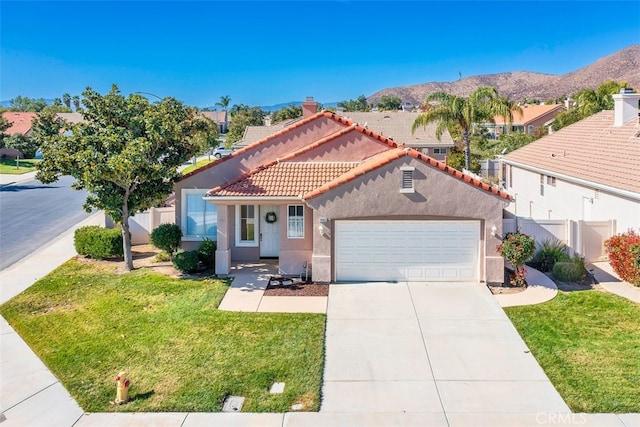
point(221, 152)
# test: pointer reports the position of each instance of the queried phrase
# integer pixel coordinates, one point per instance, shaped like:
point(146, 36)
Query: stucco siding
point(567, 200)
point(438, 195)
point(234, 166)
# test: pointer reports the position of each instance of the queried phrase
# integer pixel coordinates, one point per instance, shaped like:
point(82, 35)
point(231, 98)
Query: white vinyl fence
point(142, 224)
point(585, 238)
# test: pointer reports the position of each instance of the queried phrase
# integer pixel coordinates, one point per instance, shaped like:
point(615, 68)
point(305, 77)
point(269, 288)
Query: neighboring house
point(393, 124)
point(221, 118)
point(72, 118)
point(532, 118)
point(20, 122)
point(350, 203)
point(397, 126)
point(588, 171)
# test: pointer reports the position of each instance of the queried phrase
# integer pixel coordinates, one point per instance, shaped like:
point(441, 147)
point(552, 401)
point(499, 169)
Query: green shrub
point(624, 255)
point(571, 271)
point(162, 257)
point(517, 248)
point(97, 242)
point(207, 252)
point(549, 252)
point(167, 237)
point(187, 261)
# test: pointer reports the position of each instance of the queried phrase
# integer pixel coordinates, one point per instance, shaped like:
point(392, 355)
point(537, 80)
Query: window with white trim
point(439, 151)
point(295, 222)
point(199, 218)
point(246, 225)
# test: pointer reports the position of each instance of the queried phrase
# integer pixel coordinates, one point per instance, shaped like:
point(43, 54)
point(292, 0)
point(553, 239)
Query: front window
point(439, 151)
point(199, 217)
point(295, 222)
point(246, 225)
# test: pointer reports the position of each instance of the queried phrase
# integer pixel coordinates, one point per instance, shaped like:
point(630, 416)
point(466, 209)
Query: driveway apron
point(435, 349)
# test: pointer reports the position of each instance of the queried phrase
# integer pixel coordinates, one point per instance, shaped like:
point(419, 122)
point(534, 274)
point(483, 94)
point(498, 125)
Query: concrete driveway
point(444, 352)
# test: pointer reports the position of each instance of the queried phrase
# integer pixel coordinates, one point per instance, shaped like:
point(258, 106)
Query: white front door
point(269, 232)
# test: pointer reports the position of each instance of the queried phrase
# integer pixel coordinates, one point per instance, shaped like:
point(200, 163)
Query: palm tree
point(76, 102)
point(451, 111)
point(224, 103)
point(66, 99)
point(592, 101)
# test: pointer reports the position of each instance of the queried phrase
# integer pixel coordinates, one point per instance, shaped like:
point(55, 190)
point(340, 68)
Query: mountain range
point(623, 65)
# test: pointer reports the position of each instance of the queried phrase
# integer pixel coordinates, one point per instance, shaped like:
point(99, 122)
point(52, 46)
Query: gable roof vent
point(406, 185)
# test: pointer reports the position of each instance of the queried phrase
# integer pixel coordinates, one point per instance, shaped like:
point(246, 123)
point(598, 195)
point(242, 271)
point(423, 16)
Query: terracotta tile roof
point(591, 149)
point(348, 123)
point(283, 179)
point(397, 125)
point(530, 113)
point(21, 122)
point(389, 156)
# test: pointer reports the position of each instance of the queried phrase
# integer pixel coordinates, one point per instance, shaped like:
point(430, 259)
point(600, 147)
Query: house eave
point(251, 200)
point(595, 185)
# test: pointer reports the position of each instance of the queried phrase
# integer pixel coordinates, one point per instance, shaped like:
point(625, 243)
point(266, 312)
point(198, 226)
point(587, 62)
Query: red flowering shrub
point(517, 248)
point(624, 255)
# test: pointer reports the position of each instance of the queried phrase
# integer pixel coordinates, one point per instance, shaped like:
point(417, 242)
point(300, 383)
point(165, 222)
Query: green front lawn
point(588, 343)
point(198, 164)
point(10, 166)
point(87, 323)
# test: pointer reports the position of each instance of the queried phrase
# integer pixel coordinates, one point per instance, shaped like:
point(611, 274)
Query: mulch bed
point(297, 290)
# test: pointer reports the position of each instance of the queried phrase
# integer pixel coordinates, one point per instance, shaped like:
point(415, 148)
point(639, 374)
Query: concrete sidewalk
point(608, 279)
point(246, 292)
point(540, 289)
point(7, 179)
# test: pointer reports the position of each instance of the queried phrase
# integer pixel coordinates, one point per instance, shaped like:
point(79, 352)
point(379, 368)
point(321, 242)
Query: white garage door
point(436, 251)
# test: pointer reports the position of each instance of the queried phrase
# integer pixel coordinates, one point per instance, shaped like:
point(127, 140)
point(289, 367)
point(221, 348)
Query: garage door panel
point(407, 250)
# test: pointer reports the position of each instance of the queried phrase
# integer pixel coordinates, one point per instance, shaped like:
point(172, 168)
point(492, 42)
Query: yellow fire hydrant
point(122, 388)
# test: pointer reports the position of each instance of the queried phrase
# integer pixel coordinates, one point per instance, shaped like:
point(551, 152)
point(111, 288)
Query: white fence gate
point(583, 237)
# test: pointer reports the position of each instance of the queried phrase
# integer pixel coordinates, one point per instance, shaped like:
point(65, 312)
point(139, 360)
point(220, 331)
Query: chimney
point(309, 107)
point(625, 107)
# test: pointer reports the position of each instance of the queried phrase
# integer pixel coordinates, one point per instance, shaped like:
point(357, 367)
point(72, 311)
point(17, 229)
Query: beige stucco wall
point(437, 195)
point(234, 166)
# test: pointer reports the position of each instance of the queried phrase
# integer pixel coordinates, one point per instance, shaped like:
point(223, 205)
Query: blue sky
point(267, 52)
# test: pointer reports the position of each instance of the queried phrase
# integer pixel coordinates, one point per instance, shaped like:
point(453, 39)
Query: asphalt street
point(32, 214)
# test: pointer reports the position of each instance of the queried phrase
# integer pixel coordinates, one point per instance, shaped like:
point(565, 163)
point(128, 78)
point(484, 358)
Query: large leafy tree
point(24, 103)
point(125, 154)
point(389, 103)
point(243, 116)
point(287, 113)
point(4, 125)
point(359, 104)
point(453, 111)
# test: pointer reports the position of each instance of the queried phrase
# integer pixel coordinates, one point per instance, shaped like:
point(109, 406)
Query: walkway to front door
point(442, 350)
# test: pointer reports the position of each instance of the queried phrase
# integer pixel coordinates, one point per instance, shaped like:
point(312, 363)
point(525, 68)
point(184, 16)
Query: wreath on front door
point(270, 217)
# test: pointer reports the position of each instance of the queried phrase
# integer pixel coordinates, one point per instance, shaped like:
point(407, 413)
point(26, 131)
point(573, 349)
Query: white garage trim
point(407, 250)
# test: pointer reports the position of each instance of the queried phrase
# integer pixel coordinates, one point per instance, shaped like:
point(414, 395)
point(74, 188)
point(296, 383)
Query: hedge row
point(97, 242)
